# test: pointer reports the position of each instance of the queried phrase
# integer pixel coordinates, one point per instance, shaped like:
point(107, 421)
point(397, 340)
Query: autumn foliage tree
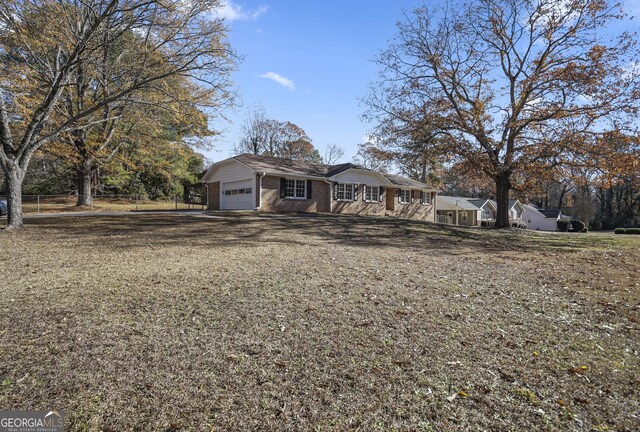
point(511, 82)
point(48, 47)
point(265, 136)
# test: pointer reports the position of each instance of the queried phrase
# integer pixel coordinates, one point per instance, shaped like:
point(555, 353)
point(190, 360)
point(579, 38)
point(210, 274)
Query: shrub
point(563, 225)
point(487, 223)
point(577, 225)
point(633, 231)
point(620, 231)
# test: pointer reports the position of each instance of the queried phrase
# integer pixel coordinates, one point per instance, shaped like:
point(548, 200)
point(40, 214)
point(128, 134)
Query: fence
point(108, 203)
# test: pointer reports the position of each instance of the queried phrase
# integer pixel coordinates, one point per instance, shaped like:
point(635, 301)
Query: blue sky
point(308, 62)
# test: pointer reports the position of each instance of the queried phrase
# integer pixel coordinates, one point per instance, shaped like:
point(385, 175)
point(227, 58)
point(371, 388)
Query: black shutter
point(309, 189)
point(355, 192)
point(380, 192)
point(283, 185)
point(364, 192)
point(335, 190)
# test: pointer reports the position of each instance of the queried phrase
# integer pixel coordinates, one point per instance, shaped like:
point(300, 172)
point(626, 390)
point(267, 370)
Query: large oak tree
point(45, 43)
point(513, 83)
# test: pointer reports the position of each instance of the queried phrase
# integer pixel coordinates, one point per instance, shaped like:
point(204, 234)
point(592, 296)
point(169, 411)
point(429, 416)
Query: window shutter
point(355, 192)
point(283, 185)
point(364, 192)
point(309, 189)
point(335, 190)
point(380, 192)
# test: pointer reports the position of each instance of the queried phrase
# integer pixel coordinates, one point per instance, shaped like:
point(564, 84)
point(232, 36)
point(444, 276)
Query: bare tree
point(265, 136)
point(332, 154)
point(371, 157)
point(254, 132)
point(512, 82)
point(43, 43)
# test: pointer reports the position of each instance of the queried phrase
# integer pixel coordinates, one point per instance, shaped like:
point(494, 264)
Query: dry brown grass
point(317, 323)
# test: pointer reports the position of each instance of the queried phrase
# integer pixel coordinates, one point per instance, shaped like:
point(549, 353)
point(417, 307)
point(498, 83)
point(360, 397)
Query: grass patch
point(268, 322)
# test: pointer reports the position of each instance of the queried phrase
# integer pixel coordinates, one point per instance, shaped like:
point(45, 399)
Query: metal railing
point(108, 203)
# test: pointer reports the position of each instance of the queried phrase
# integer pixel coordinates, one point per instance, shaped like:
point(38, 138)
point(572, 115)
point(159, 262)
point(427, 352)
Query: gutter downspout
point(260, 192)
point(206, 186)
point(330, 195)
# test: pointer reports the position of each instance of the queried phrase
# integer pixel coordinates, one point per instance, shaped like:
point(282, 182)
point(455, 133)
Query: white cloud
point(286, 82)
point(231, 11)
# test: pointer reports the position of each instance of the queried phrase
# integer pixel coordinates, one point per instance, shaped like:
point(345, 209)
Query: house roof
point(462, 203)
point(479, 202)
point(550, 213)
point(403, 181)
point(512, 202)
point(282, 166)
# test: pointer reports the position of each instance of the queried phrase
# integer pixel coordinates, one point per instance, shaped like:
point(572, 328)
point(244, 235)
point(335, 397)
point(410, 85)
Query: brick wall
point(415, 210)
point(359, 206)
point(213, 194)
point(271, 201)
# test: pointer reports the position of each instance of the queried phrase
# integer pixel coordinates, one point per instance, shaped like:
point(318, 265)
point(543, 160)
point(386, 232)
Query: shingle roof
point(296, 167)
point(403, 181)
point(282, 165)
point(512, 202)
point(478, 202)
point(463, 203)
point(550, 213)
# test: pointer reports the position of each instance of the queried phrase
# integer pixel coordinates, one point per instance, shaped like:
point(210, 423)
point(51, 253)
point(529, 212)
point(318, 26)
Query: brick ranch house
point(269, 184)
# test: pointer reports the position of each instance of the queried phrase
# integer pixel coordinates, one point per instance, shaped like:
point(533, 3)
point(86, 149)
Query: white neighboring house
point(516, 209)
point(541, 220)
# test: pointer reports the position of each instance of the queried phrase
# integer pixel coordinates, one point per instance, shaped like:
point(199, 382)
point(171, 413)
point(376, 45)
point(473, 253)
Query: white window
point(425, 197)
point(295, 189)
point(371, 193)
point(404, 197)
point(237, 191)
point(344, 192)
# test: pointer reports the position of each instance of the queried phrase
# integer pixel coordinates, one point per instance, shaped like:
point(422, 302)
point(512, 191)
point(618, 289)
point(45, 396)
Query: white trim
point(431, 199)
point(217, 164)
point(259, 191)
point(295, 189)
point(353, 192)
point(364, 194)
point(400, 201)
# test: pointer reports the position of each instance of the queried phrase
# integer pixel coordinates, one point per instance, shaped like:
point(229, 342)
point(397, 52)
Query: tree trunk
point(13, 179)
point(503, 186)
point(85, 183)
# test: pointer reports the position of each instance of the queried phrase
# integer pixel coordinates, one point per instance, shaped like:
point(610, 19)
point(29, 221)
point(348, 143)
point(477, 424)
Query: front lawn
point(318, 323)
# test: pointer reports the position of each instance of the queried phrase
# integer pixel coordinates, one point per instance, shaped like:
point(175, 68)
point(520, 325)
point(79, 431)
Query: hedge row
point(627, 231)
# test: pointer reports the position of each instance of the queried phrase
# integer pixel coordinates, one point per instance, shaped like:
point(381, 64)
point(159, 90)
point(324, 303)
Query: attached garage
point(238, 195)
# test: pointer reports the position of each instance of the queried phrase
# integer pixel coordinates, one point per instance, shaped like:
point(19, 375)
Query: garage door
point(238, 195)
